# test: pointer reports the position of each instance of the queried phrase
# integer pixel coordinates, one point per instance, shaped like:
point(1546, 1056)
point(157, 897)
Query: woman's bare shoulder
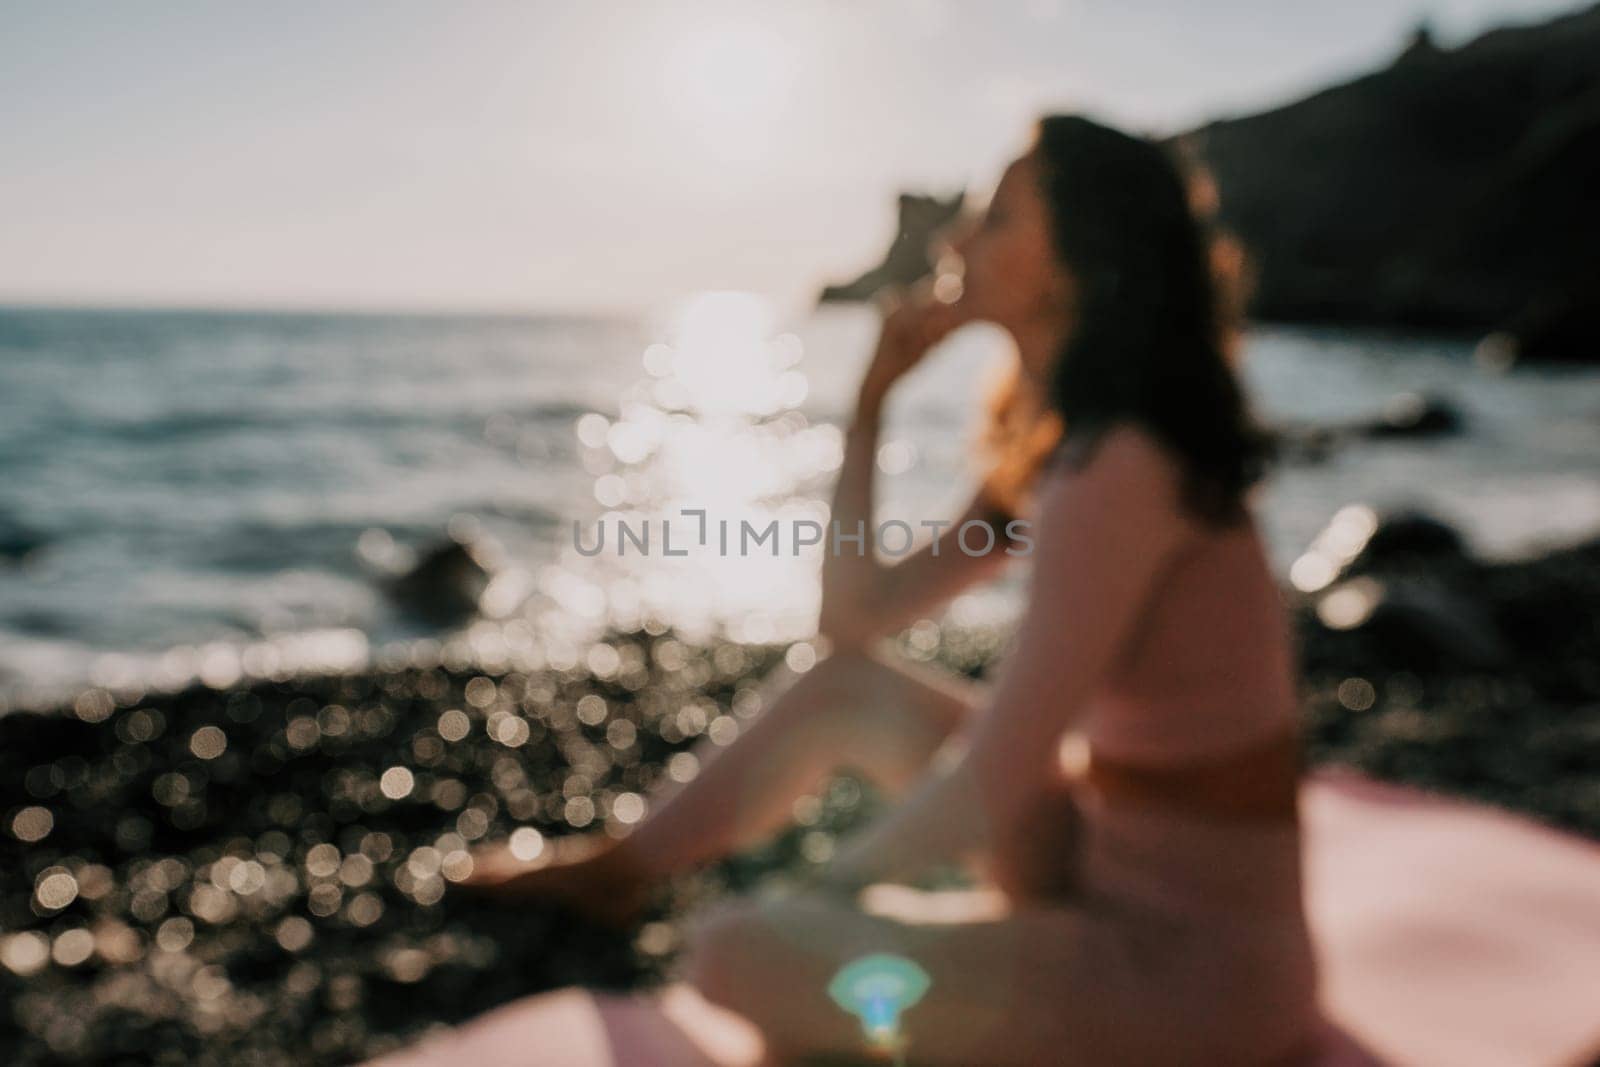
point(1126, 491)
point(1121, 453)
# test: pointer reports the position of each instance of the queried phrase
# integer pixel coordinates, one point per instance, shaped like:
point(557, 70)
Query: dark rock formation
point(447, 583)
point(1403, 582)
point(1407, 416)
point(1410, 692)
point(1422, 47)
point(1421, 623)
point(908, 257)
point(18, 542)
point(1451, 189)
point(1408, 539)
point(1415, 415)
point(1559, 327)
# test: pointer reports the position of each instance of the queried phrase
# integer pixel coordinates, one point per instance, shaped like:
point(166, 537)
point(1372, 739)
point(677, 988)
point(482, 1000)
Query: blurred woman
point(1128, 782)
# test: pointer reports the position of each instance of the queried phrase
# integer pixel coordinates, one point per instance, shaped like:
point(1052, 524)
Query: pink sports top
point(1209, 667)
point(1167, 636)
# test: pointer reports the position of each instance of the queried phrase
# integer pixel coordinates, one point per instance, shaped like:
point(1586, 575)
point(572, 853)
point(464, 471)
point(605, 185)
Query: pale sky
point(579, 155)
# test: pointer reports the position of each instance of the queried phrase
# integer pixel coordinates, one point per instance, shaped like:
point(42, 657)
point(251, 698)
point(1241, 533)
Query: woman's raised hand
point(913, 322)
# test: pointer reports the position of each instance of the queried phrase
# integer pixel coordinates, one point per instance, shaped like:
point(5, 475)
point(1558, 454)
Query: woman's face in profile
point(1011, 275)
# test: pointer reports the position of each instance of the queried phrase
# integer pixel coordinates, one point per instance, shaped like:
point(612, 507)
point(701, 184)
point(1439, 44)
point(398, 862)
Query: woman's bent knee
point(712, 960)
point(1040, 856)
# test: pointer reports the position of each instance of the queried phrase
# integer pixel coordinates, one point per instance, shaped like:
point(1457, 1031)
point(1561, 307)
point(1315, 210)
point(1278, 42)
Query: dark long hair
point(1153, 338)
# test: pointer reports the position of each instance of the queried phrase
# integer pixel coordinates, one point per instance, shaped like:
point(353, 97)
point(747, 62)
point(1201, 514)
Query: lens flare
point(876, 989)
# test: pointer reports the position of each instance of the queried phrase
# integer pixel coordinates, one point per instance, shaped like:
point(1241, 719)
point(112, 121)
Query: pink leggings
point(1213, 959)
point(1186, 945)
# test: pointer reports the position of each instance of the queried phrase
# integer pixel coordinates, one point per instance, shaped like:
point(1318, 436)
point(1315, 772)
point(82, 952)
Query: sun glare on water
point(713, 426)
point(727, 358)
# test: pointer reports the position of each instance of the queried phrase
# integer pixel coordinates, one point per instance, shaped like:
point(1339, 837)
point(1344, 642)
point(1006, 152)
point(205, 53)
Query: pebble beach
point(262, 874)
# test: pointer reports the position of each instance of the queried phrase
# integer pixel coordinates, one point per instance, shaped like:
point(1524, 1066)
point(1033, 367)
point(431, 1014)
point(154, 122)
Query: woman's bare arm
point(1107, 532)
point(864, 598)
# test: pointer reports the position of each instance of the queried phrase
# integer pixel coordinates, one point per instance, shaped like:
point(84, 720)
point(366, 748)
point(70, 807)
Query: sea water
point(176, 486)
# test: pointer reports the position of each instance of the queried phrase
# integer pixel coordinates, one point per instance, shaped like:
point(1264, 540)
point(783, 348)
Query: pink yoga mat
point(1451, 935)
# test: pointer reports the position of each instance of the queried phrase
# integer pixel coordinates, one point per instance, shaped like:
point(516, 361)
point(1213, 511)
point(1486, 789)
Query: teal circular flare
point(876, 989)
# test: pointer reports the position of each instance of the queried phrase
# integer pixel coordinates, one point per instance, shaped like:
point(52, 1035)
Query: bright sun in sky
point(727, 82)
point(567, 156)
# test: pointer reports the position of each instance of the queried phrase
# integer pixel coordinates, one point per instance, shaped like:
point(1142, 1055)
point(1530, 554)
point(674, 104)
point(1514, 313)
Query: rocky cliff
point(909, 256)
point(1453, 188)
